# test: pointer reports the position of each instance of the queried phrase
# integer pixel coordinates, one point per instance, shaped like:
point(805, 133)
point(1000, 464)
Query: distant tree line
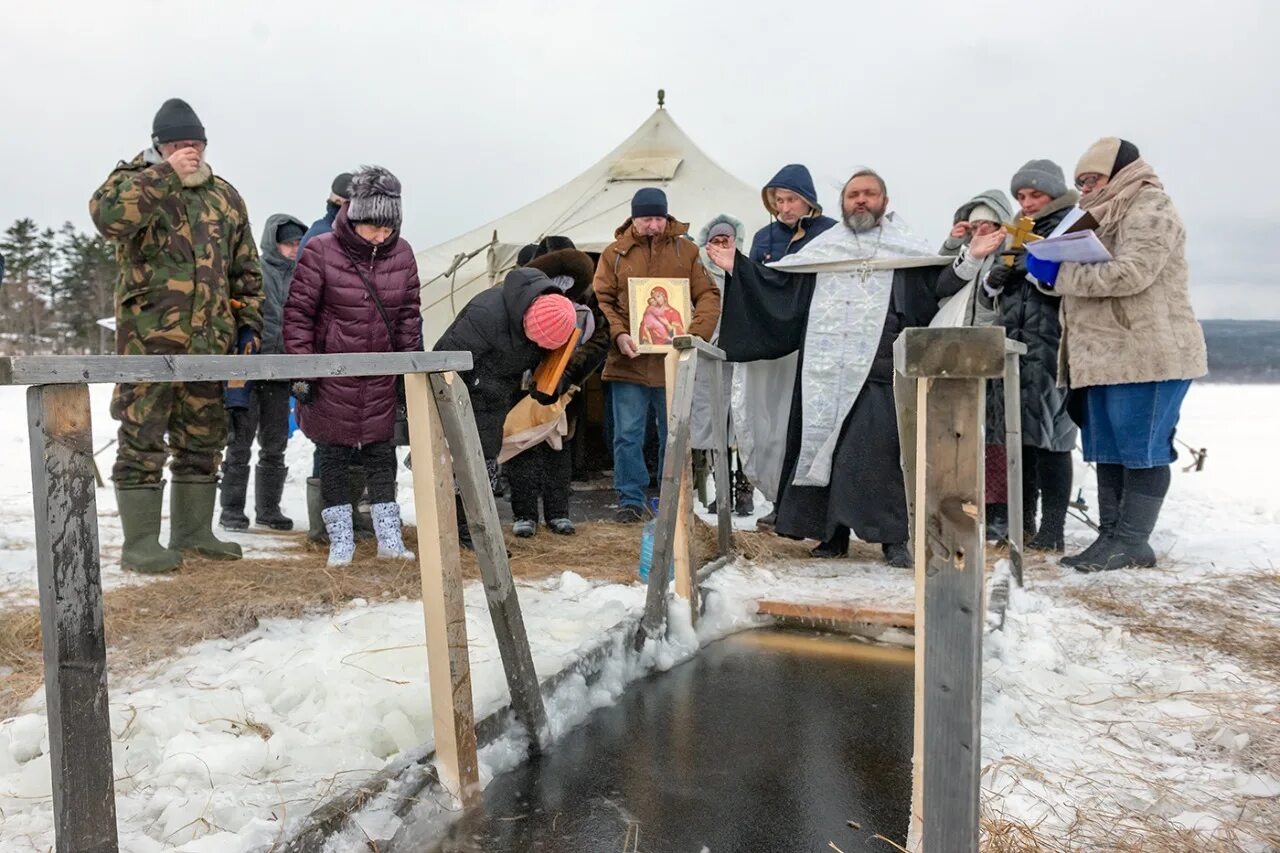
point(56, 286)
point(1243, 350)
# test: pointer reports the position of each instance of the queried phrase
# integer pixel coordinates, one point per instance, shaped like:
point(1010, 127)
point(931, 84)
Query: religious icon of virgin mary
point(661, 323)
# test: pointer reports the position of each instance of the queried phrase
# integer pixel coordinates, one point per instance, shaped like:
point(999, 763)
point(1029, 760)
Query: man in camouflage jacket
point(190, 282)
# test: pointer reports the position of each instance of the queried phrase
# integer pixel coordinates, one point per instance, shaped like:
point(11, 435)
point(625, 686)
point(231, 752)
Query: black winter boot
point(235, 483)
point(836, 546)
point(268, 488)
point(1110, 493)
point(744, 496)
point(1128, 546)
point(1055, 494)
point(464, 532)
point(897, 555)
point(997, 522)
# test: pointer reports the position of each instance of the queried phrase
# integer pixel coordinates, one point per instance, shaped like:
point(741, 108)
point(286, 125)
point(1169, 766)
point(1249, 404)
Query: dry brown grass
point(1223, 617)
point(209, 599)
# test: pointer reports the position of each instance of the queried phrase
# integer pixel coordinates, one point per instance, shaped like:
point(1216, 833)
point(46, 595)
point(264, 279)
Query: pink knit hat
point(550, 320)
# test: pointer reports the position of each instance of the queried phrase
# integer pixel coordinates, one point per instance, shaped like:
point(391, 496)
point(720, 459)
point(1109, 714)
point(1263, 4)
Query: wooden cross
point(1022, 234)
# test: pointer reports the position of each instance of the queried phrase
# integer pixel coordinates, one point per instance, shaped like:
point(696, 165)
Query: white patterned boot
point(342, 535)
point(386, 526)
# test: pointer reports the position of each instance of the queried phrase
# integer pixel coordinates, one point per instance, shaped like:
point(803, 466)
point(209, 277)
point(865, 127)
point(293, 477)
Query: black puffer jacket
point(1030, 316)
point(491, 328)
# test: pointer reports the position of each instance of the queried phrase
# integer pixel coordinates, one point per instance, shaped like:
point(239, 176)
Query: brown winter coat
point(670, 255)
point(1130, 319)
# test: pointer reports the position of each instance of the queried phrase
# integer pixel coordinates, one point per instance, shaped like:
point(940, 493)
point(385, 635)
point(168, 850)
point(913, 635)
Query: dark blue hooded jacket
point(323, 225)
point(776, 240)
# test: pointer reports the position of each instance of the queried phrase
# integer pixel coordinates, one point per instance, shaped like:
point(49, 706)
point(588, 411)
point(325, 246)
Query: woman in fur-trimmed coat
point(543, 472)
point(1130, 348)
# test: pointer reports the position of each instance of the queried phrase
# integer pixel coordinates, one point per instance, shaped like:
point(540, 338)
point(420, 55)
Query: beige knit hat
point(1106, 157)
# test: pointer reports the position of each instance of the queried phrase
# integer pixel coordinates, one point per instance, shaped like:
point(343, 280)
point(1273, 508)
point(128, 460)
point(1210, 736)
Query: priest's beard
point(862, 221)
point(199, 177)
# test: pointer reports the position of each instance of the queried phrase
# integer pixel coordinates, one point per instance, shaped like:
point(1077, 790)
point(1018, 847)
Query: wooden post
point(720, 430)
point(1013, 452)
point(673, 466)
point(950, 368)
point(448, 662)
point(454, 405)
point(953, 541)
point(676, 361)
point(75, 648)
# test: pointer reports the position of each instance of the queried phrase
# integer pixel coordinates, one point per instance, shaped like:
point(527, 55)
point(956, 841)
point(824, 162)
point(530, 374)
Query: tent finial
point(662, 97)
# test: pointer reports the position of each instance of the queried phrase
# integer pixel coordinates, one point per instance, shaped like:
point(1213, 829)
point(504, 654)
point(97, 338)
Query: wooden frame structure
point(442, 431)
point(672, 533)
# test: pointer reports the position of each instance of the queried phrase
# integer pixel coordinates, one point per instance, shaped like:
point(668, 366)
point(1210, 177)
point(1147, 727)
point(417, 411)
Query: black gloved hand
point(544, 399)
point(1002, 276)
point(248, 342)
point(303, 390)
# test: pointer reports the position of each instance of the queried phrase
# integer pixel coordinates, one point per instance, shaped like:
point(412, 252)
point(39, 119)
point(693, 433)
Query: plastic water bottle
point(646, 541)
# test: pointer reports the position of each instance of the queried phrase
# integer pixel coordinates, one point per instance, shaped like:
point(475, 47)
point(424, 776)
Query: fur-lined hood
point(739, 229)
point(573, 263)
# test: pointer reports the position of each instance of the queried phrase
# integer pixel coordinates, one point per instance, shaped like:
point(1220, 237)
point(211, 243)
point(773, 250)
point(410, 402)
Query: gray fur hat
point(1043, 175)
point(375, 197)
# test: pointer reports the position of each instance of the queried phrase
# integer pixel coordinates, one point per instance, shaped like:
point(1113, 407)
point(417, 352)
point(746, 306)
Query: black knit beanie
point(649, 201)
point(288, 232)
point(176, 121)
point(341, 186)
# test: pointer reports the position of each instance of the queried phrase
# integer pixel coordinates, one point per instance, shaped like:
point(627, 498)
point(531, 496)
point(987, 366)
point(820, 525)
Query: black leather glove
point(248, 342)
point(544, 399)
point(1002, 276)
point(303, 390)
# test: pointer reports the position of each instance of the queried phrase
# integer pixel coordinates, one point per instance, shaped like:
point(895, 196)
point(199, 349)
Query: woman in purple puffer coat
point(356, 290)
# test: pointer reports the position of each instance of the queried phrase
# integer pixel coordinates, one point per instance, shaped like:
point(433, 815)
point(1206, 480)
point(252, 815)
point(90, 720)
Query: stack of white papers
point(1082, 247)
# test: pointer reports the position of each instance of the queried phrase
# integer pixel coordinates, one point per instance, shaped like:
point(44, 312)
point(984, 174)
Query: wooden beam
point(724, 476)
point(905, 393)
point(967, 352)
point(682, 542)
point(673, 465)
point(952, 541)
point(454, 405)
point(684, 342)
point(92, 369)
point(75, 648)
point(838, 613)
point(448, 660)
point(1013, 457)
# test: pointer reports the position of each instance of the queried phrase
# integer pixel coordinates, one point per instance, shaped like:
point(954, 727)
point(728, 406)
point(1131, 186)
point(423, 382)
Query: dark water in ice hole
point(769, 740)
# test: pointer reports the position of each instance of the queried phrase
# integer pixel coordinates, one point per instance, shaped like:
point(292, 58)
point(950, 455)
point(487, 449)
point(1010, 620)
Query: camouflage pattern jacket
point(189, 272)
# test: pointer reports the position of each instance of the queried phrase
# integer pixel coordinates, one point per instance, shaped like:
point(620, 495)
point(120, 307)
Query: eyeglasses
point(1088, 182)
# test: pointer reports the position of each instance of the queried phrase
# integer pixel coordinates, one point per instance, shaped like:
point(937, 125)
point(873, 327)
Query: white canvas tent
point(588, 209)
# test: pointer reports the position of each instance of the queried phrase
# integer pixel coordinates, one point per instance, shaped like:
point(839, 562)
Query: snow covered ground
point(226, 745)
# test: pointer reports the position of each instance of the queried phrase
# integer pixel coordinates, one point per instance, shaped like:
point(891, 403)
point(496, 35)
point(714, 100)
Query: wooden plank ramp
point(836, 614)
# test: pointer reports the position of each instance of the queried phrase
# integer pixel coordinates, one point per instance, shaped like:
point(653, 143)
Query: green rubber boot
point(140, 517)
point(191, 521)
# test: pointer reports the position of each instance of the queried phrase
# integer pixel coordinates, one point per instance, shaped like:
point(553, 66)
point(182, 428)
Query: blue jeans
point(633, 406)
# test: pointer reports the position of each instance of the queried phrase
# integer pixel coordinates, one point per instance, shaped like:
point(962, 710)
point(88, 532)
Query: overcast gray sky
point(480, 107)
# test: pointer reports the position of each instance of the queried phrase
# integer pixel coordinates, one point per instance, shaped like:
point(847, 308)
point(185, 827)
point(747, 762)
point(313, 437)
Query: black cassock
point(765, 315)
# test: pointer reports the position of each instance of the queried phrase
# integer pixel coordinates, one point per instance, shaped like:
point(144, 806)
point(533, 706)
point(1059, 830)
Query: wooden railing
point(442, 433)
